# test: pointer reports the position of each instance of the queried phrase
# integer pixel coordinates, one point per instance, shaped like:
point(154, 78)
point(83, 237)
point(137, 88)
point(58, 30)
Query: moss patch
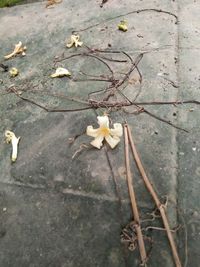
point(7, 3)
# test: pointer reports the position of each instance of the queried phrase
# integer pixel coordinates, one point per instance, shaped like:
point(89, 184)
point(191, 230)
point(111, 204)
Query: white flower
point(10, 137)
point(74, 41)
point(60, 72)
point(104, 132)
point(19, 49)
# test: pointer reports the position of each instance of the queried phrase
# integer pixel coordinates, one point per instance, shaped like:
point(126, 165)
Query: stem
point(151, 190)
point(133, 202)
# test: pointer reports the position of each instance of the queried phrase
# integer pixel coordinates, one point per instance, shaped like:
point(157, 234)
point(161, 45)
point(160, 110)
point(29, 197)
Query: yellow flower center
point(105, 131)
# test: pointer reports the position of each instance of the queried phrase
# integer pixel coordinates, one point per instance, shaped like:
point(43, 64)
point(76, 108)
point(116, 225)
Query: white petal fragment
point(112, 141)
point(98, 141)
point(74, 40)
point(11, 138)
point(91, 131)
point(60, 72)
point(19, 49)
point(117, 130)
point(103, 121)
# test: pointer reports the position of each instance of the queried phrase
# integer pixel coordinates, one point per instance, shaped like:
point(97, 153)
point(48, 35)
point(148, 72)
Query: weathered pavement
point(60, 211)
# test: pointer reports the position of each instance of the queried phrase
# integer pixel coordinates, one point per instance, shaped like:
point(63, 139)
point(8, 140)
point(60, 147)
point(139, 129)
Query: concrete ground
point(63, 211)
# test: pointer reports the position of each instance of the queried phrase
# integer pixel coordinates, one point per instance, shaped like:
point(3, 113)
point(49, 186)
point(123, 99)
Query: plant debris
point(133, 234)
point(161, 207)
point(11, 138)
point(123, 26)
point(74, 40)
point(60, 72)
point(135, 211)
point(19, 49)
point(13, 72)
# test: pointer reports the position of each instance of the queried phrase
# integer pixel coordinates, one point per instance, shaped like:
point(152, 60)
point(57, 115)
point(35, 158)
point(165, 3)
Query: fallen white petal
point(97, 142)
point(91, 131)
point(117, 130)
point(17, 50)
point(78, 44)
point(74, 41)
point(10, 137)
point(112, 141)
point(60, 72)
point(103, 121)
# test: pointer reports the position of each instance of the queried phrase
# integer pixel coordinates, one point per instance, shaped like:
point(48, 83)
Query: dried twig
point(47, 109)
point(93, 104)
point(81, 148)
point(141, 244)
point(151, 190)
point(129, 13)
point(163, 120)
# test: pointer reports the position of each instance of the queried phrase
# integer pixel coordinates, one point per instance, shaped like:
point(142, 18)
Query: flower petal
point(74, 41)
point(91, 131)
point(69, 44)
point(60, 72)
point(112, 141)
point(17, 50)
point(103, 121)
point(97, 142)
point(11, 138)
point(117, 130)
point(78, 44)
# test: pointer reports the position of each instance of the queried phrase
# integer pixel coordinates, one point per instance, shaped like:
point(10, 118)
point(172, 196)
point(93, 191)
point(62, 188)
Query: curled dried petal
point(13, 72)
point(60, 72)
point(11, 138)
point(74, 40)
point(19, 49)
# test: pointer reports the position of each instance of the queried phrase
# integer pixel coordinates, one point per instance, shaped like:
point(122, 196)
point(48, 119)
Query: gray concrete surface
point(60, 211)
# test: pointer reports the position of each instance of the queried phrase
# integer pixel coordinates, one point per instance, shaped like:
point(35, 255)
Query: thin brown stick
point(126, 14)
point(44, 107)
point(163, 120)
point(138, 229)
point(155, 198)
